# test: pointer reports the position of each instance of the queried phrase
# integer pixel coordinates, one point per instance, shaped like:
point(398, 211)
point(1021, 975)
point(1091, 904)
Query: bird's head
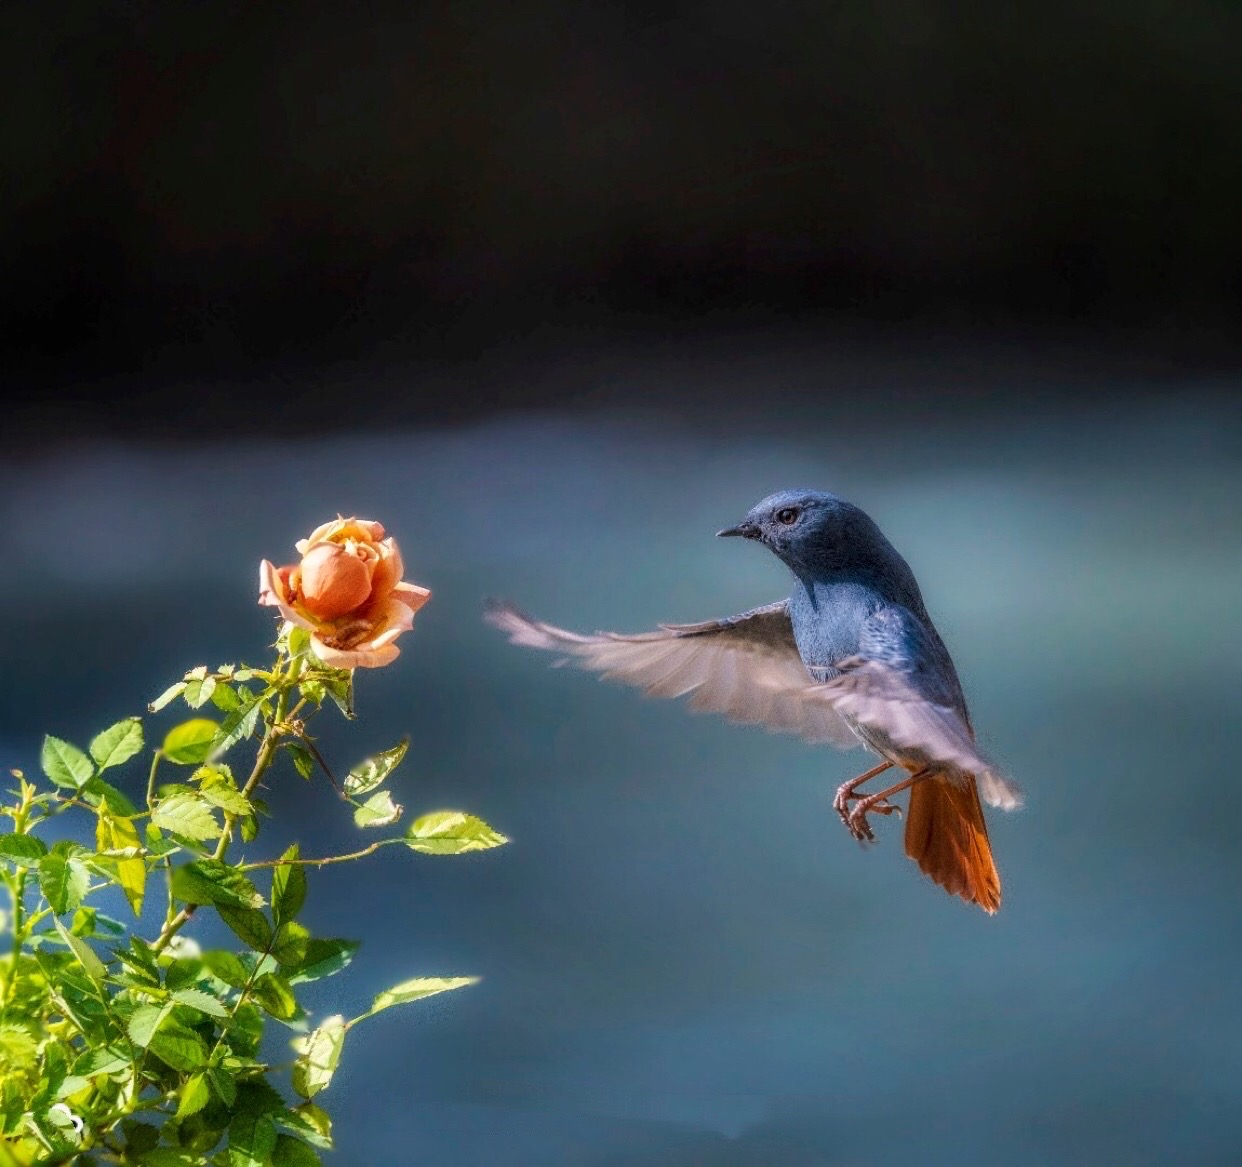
point(811, 531)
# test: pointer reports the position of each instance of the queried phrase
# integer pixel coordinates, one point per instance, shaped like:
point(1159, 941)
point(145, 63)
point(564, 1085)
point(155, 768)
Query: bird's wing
point(746, 667)
point(900, 688)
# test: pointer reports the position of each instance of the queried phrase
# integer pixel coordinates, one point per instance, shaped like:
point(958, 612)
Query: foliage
point(120, 1043)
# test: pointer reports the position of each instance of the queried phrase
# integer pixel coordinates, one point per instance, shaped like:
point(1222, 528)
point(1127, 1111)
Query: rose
point(347, 592)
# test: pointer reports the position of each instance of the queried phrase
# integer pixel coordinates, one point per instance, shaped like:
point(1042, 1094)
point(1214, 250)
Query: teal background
point(686, 960)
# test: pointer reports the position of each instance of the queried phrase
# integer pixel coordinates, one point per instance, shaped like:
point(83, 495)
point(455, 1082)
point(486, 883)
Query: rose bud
point(347, 592)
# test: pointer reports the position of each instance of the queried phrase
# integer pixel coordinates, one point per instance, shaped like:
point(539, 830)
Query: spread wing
point(746, 667)
point(903, 692)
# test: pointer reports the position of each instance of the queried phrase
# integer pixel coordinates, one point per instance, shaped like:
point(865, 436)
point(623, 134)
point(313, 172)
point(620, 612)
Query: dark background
point(556, 291)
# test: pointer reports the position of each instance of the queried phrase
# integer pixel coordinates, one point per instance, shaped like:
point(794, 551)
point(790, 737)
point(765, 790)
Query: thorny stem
point(319, 862)
point(276, 729)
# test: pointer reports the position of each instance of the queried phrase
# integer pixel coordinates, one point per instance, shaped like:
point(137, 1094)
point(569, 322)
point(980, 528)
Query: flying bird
point(851, 658)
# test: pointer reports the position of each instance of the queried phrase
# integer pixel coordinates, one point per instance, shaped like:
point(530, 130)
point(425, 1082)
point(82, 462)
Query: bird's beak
point(745, 530)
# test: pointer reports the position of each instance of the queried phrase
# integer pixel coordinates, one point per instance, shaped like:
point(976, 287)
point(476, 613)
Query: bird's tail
point(947, 837)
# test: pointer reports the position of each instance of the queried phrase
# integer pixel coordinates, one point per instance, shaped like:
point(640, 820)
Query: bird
point(850, 658)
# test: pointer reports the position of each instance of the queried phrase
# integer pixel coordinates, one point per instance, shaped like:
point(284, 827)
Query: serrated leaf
point(318, 1055)
point(288, 886)
point(198, 691)
point(182, 972)
point(195, 1094)
point(311, 1122)
point(65, 764)
point(86, 955)
point(168, 1157)
point(322, 958)
point(225, 699)
point(144, 1021)
point(97, 792)
point(220, 791)
point(248, 925)
point(451, 832)
point(189, 743)
point(170, 694)
point(416, 990)
point(227, 967)
point(222, 1086)
point(252, 1138)
point(63, 880)
point(238, 725)
point(119, 834)
point(378, 811)
point(369, 774)
point(208, 881)
point(189, 815)
point(117, 744)
point(21, 848)
point(200, 1000)
point(303, 760)
point(291, 1152)
point(271, 992)
point(179, 1047)
point(103, 1060)
point(289, 947)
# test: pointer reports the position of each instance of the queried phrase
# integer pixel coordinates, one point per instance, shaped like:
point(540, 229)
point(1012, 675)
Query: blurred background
point(555, 292)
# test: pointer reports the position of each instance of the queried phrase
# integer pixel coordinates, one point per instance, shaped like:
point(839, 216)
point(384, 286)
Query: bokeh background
point(556, 291)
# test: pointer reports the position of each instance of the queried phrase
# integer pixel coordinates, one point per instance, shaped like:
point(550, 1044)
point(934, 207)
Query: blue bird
point(851, 657)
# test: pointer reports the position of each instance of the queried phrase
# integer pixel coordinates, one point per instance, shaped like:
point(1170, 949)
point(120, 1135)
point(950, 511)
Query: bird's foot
point(856, 819)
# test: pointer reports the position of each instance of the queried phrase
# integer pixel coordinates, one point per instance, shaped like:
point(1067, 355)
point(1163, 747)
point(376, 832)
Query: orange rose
point(347, 593)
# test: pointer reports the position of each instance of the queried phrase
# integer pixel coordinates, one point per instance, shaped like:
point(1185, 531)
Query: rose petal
point(334, 581)
point(388, 569)
point(411, 595)
point(355, 658)
point(273, 591)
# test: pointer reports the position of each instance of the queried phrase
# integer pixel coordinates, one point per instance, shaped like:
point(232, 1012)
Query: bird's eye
point(787, 515)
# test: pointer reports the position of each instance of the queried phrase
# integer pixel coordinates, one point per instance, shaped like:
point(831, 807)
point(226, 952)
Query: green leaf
point(310, 1122)
point(198, 691)
point(179, 1047)
point(378, 811)
point(118, 743)
point(289, 948)
point(182, 972)
point(249, 926)
point(339, 684)
point(65, 764)
point(451, 832)
point(195, 1094)
point(218, 787)
point(119, 834)
point(144, 1021)
point(189, 815)
point(208, 881)
point(303, 760)
point(367, 775)
point(200, 1000)
point(98, 793)
point(225, 699)
point(291, 1152)
point(86, 955)
point(222, 1086)
point(415, 990)
point(238, 725)
point(322, 958)
point(318, 1055)
point(102, 1060)
point(297, 640)
point(273, 995)
point(20, 848)
point(227, 967)
point(288, 887)
point(169, 694)
point(189, 743)
point(64, 881)
point(252, 1139)
point(168, 1157)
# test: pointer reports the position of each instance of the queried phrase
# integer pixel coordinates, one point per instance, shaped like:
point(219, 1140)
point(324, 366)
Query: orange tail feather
point(947, 837)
